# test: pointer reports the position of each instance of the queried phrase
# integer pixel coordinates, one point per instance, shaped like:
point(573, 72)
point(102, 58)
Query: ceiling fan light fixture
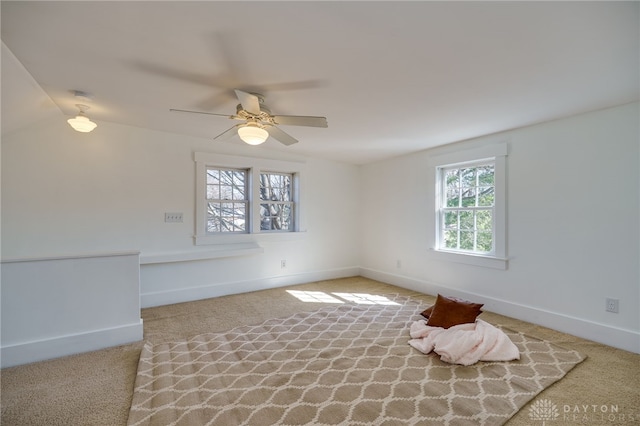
point(81, 122)
point(252, 134)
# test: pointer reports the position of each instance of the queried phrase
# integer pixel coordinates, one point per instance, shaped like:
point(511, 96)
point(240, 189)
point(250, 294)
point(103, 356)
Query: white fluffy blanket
point(464, 344)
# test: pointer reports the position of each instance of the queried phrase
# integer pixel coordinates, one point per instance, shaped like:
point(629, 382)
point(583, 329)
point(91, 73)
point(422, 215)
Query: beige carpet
point(96, 388)
point(349, 364)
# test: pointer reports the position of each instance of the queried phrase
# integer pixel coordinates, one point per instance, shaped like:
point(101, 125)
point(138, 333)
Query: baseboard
point(628, 340)
point(40, 350)
point(180, 295)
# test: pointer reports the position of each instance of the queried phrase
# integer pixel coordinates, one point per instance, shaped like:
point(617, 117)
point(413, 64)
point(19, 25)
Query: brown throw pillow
point(427, 312)
point(450, 311)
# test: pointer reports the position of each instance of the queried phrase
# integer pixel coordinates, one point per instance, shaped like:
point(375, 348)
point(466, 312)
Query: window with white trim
point(227, 200)
point(276, 202)
point(466, 207)
point(238, 198)
point(470, 206)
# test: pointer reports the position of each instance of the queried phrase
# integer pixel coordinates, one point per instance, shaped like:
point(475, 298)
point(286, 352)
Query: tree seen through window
point(467, 208)
point(276, 202)
point(227, 201)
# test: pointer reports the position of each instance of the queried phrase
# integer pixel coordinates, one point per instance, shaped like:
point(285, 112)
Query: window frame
point(246, 201)
point(496, 154)
point(291, 202)
point(254, 167)
point(443, 208)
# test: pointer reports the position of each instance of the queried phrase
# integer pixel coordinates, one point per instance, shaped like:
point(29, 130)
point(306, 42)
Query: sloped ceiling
point(391, 77)
point(23, 100)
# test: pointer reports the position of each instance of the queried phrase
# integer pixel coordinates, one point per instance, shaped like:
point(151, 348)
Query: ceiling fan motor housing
point(263, 108)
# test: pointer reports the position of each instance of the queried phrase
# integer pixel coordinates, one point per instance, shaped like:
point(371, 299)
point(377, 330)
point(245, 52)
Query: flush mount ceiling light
point(81, 122)
point(252, 133)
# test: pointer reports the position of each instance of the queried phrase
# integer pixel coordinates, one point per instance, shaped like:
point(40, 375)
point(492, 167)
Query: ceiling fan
point(259, 124)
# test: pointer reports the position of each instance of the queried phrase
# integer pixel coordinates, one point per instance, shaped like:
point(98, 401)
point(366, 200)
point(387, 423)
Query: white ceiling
point(391, 77)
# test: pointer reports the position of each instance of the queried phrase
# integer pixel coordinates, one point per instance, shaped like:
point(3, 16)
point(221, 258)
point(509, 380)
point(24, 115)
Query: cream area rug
point(347, 364)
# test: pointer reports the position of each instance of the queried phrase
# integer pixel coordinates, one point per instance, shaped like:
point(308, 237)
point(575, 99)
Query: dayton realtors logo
point(600, 414)
point(545, 410)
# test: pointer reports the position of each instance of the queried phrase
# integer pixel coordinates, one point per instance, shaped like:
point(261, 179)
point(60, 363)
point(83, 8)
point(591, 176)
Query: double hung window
point(470, 206)
point(276, 202)
point(467, 207)
point(239, 196)
point(227, 200)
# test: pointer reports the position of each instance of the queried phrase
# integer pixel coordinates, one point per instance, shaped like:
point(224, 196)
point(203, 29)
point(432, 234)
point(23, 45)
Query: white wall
point(573, 226)
point(65, 192)
point(65, 195)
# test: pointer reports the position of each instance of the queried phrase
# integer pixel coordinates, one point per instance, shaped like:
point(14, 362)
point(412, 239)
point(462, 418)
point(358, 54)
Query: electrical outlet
point(283, 264)
point(613, 305)
point(398, 264)
point(173, 217)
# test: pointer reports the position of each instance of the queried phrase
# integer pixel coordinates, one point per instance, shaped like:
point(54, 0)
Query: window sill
point(493, 262)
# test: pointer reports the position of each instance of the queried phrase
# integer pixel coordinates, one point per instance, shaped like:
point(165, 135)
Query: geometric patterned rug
point(347, 364)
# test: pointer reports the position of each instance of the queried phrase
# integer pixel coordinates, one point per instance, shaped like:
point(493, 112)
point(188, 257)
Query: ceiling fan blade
point(227, 134)
point(300, 120)
point(177, 74)
point(293, 85)
point(202, 112)
point(281, 136)
point(220, 101)
point(249, 102)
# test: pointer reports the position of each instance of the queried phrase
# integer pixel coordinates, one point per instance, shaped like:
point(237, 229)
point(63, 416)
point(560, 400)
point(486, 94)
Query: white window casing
point(254, 166)
point(497, 155)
